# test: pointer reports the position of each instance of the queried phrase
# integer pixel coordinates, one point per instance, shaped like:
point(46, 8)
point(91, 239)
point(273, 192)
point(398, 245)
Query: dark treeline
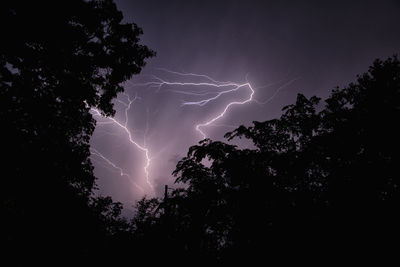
point(323, 178)
point(58, 59)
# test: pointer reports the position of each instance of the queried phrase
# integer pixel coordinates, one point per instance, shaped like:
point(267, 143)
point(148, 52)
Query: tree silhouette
point(326, 174)
point(321, 179)
point(58, 59)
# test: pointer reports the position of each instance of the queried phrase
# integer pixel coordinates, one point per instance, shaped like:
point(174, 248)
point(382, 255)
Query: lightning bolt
point(205, 101)
point(187, 81)
point(121, 171)
point(124, 126)
point(224, 87)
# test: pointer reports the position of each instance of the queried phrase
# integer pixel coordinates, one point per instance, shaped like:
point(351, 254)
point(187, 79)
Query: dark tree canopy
point(58, 59)
point(324, 177)
point(321, 179)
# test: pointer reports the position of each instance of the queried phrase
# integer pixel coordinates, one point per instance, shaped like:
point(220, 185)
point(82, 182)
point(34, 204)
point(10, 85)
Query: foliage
point(58, 59)
point(325, 174)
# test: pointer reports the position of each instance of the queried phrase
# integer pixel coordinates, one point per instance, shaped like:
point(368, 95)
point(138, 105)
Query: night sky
point(282, 47)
